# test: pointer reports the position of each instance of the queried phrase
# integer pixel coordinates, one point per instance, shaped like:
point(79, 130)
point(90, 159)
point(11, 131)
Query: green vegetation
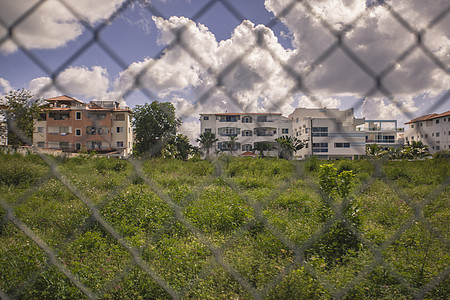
point(228, 228)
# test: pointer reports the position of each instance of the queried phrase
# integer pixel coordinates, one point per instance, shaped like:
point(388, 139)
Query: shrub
point(19, 170)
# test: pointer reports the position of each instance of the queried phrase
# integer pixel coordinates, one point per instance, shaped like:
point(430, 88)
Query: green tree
point(288, 145)
point(261, 147)
point(20, 112)
point(374, 151)
point(232, 144)
point(207, 140)
point(181, 145)
point(155, 125)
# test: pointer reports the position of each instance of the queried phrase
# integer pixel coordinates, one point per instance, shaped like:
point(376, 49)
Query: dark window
point(119, 144)
point(207, 129)
point(438, 134)
point(77, 132)
point(119, 129)
point(437, 121)
point(285, 131)
point(320, 131)
point(78, 115)
point(341, 145)
point(320, 147)
point(120, 117)
point(77, 146)
point(247, 119)
point(205, 118)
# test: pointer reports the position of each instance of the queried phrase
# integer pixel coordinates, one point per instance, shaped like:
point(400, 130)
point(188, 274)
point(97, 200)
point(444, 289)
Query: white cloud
point(395, 108)
point(377, 39)
point(52, 24)
point(89, 83)
point(5, 85)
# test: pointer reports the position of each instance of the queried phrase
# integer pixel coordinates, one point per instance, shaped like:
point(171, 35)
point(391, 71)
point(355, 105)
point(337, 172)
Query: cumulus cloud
point(89, 83)
point(378, 40)
point(5, 86)
point(52, 24)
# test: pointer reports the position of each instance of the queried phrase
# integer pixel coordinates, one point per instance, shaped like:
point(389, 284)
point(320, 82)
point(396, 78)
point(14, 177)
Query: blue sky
point(260, 81)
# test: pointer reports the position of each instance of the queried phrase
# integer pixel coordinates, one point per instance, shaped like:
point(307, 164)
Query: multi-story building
point(248, 128)
point(328, 133)
point(69, 124)
point(432, 130)
point(384, 133)
point(3, 127)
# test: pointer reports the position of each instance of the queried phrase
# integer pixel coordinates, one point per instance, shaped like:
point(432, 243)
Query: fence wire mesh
point(213, 256)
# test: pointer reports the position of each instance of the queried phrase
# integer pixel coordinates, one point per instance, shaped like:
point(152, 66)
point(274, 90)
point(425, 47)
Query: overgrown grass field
point(230, 228)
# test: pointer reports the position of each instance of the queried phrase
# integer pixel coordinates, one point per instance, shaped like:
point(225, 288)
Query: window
point(40, 129)
point(296, 120)
point(412, 125)
point(437, 121)
point(42, 117)
point(426, 135)
point(97, 116)
point(77, 132)
point(120, 117)
point(320, 131)
point(438, 134)
point(64, 130)
point(205, 118)
point(389, 139)
point(341, 145)
point(432, 134)
point(320, 147)
point(119, 129)
point(421, 124)
point(78, 115)
point(41, 144)
point(285, 131)
point(247, 147)
point(119, 144)
point(77, 146)
point(247, 133)
point(229, 131)
point(207, 129)
point(64, 145)
point(247, 119)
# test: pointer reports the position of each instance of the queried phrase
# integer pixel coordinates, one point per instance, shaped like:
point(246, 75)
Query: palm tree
point(288, 145)
point(207, 140)
point(232, 143)
point(374, 150)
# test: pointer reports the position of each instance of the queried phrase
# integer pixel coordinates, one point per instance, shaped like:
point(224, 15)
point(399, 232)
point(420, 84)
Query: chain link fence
point(220, 252)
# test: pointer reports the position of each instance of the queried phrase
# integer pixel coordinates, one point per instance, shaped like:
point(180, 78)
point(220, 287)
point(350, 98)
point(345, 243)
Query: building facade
point(249, 130)
point(69, 124)
point(384, 133)
point(432, 130)
point(328, 133)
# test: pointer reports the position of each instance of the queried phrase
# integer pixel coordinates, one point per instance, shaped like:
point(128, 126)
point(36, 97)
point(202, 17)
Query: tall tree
point(232, 143)
point(20, 112)
point(182, 146)
point(154, 124)
point(288, 145)
point(207, 140)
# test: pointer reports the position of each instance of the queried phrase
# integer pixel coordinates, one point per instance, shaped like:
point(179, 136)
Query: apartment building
point(249, 129)
point(384, 133)
point(432, 130)
point(3, 127)
point(328, 133)
point(69, 124)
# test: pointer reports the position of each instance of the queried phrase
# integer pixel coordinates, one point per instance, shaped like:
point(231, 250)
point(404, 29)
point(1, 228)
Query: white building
point(384, 133)
point(432, 130)
point(249, 128)
point(328, 133)
point(3, 127)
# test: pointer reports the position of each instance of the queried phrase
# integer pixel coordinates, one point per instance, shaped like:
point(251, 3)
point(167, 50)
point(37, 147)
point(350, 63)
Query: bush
point(20, 170)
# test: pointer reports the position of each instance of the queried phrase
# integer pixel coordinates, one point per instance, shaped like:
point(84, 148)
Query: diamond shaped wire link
point(219, 75)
